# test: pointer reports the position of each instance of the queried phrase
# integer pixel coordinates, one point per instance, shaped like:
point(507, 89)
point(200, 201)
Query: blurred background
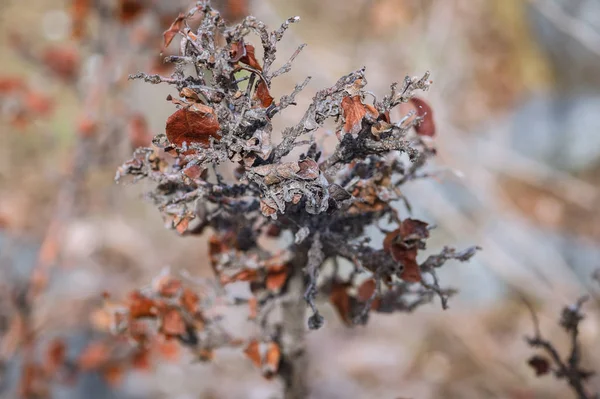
point(516, 100)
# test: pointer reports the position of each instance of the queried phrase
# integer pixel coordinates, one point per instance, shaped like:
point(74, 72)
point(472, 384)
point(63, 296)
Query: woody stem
point(294, 360)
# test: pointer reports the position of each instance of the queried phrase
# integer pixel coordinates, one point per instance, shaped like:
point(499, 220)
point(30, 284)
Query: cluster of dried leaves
point(569, 368)
point(222, 124)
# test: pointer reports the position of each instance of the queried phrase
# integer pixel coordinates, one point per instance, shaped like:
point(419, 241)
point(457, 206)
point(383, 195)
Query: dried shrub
point(326, 203)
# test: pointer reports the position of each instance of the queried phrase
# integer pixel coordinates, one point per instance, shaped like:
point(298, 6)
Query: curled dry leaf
point(193, 125)
point(353, 111)
point(403, 243)
point(262, 94)
point(249, 58)
point(173, 30)
point(264, 355)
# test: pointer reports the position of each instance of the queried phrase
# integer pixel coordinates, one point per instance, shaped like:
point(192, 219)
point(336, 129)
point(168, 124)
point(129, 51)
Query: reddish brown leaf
point(309, 169)
point(235, 10)
point(411, 272)
point(175, 27)
point(130, 9)
point(366, 289)
point(80, 10)
point(139, 135)
point(238, 50)
point(402, 245)
point(11, 85)
point(93, 356)
point(193, 125)
point(413, 229)
point(267, 209)
point(244, 275)
point(189, 95)
point(353, 111)
point(340, 300)
point(540, 364)
point(194, 172)
point(55, 356)
point(141, 306)
point(113, 374)
point(141, 359)
point(263, 95)
point(172, 323)
point(250, 59)
point(62, 61)
point(427, 125)
point(276, 278)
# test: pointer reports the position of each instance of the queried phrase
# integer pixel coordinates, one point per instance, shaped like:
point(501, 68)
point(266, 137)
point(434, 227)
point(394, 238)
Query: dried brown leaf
point(195, 124)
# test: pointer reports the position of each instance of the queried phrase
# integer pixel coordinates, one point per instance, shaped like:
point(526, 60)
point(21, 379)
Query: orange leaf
point(253, 352)
point(276, 278)
point(141, 306)
point(175, 27)
point(189, 301)
point(427, 125)
point(263, 95)
point(172, 323)
point(354, 111)
point(272, 358)
point(193, 125)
